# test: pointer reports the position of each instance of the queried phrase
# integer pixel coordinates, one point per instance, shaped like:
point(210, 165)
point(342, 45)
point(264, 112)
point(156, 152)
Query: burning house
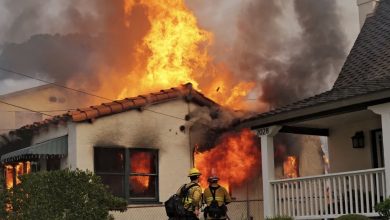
point(143, 146)
point(154, 135)
point(353, 117)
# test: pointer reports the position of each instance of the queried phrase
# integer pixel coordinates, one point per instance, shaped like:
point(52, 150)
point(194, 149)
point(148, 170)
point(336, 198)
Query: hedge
point(62, 194)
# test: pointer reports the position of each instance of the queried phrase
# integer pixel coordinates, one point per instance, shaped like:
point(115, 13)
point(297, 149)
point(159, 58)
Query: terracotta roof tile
point(90, 113)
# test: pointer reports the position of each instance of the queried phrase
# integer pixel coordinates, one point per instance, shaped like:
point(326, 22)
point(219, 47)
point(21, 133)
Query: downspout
point(192, 160)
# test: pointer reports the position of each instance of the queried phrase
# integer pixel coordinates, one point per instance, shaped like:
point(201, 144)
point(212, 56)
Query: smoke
point(79, 47)
point(290, 65)
point(73, 42)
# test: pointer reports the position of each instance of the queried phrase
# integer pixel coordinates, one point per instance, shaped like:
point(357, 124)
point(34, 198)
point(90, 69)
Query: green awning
point(50, 148)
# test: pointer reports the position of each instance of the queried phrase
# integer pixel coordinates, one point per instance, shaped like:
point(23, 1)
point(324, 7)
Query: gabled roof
point(365, 73)
point(370, 56)
point(134, 103)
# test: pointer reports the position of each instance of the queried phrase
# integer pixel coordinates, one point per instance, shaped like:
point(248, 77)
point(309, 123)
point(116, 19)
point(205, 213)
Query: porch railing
point(330, 195)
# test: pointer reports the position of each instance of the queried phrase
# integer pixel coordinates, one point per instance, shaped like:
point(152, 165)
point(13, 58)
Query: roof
point(370, 56)
point(366, 71)
point(133, 103)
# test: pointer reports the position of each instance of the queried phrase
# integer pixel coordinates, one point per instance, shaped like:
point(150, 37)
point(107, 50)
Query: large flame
point(174, 52)
point(141, 163)
point(235, 159)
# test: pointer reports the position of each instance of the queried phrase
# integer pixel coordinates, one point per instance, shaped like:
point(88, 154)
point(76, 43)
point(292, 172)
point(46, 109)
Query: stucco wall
point(143, 129)
point(342, 156)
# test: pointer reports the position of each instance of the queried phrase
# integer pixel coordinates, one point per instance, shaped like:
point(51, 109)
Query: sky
point(228, 20)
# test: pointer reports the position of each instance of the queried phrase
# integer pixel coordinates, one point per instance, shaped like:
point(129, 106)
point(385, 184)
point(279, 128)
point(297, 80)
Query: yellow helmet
point(194, 172)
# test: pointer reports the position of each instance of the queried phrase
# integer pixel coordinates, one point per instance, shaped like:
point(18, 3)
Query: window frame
point(127, 174)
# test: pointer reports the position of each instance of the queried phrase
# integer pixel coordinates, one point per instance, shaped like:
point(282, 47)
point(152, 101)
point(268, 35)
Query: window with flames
point(128, 172)
point(291, 167)
point(13, 171)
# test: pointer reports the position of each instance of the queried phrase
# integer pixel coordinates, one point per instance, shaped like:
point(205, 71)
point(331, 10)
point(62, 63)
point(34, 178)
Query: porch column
point(268, 166)
point(384, 111)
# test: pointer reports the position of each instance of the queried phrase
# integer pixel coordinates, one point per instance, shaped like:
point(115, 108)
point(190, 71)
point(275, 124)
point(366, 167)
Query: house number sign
point(263, 131)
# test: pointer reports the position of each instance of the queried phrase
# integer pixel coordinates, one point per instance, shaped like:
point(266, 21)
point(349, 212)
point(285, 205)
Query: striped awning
point(50, 148)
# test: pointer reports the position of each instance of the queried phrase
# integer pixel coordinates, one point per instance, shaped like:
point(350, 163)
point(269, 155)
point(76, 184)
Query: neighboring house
point(48, 99)
point(355, 117)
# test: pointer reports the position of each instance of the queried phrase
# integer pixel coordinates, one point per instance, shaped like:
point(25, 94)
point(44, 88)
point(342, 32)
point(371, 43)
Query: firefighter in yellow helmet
point(216, 197)
point(192, 200)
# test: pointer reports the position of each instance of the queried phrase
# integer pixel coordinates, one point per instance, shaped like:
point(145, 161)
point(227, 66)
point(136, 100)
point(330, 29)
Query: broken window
point(139, 166)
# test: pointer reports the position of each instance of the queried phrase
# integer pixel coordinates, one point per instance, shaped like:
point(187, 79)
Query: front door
point(377, 148)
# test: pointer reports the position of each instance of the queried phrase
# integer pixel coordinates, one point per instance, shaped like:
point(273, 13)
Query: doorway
point(377, 148)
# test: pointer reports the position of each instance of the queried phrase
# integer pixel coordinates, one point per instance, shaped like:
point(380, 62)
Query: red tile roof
point(140, 102)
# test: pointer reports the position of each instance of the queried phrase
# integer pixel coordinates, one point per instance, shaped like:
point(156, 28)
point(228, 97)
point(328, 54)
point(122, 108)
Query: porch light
point(358, 140)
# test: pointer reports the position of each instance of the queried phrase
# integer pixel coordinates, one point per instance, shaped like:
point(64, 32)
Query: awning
point(50, 148)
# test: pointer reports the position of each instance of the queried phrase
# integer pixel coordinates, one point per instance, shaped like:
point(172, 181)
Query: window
point(129, 173)
point(53, 163)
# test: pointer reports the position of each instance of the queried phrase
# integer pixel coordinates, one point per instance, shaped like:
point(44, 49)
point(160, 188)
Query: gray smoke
point(289, 66)
point(75, 44)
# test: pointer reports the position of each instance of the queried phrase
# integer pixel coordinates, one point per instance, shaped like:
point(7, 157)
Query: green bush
point(63, 194)
point(352, 217)
point(383, 208)
point(280, 218)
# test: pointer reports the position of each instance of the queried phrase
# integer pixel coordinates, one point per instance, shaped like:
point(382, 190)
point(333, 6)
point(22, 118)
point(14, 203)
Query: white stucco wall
point(342, 156)
point(141, 129)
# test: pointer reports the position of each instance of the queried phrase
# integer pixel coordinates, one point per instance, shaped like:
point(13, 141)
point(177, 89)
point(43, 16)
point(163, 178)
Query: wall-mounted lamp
point(358, 140)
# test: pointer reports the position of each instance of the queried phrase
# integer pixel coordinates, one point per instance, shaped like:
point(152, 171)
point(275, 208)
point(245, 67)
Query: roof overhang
point(352, 104)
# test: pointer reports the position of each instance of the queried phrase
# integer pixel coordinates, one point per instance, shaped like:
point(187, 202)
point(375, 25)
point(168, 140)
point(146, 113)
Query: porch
point(358, 177)
point(330, 195)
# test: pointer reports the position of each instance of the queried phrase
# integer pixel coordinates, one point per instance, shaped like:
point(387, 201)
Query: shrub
point(63, 194)
point(352, 217)
point(280, 218)
point(383, 208)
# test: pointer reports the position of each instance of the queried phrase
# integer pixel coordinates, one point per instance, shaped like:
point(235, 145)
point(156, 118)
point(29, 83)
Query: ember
point(290, 167)
point(235, 159)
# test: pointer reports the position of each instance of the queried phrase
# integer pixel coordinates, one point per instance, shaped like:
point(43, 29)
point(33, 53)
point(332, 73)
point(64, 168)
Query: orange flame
point(175, 51)
point(290, 167)
point(19, 169)
point(141, 163)
point(9, 176)
point(235, 159)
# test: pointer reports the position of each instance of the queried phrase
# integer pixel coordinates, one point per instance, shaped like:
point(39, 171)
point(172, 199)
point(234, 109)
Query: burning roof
point(132, 103)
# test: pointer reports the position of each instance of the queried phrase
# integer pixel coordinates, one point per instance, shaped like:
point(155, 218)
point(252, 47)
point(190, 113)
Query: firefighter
point(192, 201)
point(216, 197)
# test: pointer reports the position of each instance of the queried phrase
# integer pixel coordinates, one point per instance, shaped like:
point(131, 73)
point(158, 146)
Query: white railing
point(330, 195)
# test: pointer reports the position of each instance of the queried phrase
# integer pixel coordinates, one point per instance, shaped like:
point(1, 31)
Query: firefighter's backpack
point(174, 206)
point(214, 210)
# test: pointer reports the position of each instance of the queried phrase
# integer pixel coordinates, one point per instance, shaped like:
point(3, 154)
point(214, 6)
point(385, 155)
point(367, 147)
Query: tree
point(62, 194)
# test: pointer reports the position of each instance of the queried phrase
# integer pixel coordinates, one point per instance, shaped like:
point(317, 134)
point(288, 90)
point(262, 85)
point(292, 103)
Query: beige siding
point(342, 156)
